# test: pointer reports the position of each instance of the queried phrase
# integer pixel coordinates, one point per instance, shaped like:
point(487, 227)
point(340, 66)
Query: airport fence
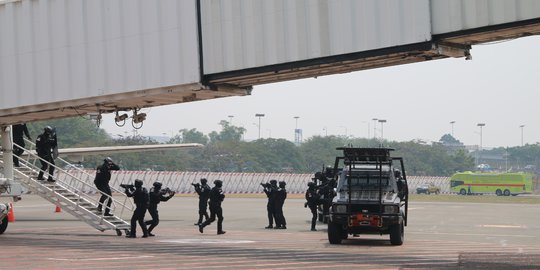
point(239, 183)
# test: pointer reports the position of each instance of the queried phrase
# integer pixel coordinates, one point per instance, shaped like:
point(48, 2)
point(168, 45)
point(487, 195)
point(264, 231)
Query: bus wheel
point(462, 192)
point(498, 192)
point(506, 192)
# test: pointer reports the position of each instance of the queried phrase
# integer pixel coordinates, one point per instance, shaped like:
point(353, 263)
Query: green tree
point(190, 136)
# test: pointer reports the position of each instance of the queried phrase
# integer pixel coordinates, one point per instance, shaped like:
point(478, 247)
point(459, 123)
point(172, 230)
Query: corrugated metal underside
point(327, 66)
point(493, 33)
point(120, 102)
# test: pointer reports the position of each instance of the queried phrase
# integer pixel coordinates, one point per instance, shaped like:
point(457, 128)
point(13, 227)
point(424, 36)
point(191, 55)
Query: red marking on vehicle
point(494, 185)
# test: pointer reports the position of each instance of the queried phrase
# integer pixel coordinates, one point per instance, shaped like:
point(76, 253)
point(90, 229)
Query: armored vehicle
point(372, 195)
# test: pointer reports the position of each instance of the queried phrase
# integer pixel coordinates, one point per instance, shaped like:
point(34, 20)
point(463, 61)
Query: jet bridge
point(66, 58)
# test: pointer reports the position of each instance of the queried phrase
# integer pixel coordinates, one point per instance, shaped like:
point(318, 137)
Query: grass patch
point(475, 198)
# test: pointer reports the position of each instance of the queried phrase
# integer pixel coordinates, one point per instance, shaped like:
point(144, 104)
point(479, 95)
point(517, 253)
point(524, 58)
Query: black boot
point(40, 176)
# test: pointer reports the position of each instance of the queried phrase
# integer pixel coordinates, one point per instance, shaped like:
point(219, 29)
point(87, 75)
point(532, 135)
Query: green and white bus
point(499, 183)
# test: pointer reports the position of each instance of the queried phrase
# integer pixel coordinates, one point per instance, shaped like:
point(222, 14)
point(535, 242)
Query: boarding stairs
point(66, 193)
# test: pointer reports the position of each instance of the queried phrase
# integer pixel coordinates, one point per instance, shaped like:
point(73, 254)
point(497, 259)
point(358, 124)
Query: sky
point(500, 87)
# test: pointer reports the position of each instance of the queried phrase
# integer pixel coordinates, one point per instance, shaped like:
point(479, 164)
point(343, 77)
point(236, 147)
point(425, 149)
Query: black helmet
point(273, 182)
point(203, 181)
point(108, 160)
point(138, 183)
point(48, 129)
point(218, 183)
point(282, 184)
point(157, 185)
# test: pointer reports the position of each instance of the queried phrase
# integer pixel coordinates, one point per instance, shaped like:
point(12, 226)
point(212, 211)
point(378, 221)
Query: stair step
point(67, 199)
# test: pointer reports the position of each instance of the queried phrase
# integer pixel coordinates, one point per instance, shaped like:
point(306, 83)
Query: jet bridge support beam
point(7, 148)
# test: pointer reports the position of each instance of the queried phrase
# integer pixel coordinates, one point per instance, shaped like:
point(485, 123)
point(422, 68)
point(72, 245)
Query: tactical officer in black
point(203, 189)
point(326, 192)
point(216, 197)
point(45, 145)
point(281, 195)
point(271, 192)
point(403, 189)
point(140, 197)
point(156, 195)
point(19, 131)
point(312, 197)
point(103, 176)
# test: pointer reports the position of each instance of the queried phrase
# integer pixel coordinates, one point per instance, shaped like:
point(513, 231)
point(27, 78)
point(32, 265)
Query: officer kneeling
point(140, 197)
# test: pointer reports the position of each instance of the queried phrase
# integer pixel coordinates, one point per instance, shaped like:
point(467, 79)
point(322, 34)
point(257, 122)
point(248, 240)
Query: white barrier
point(232, 182)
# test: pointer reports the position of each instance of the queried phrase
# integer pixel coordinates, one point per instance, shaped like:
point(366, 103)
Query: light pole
point(230, 119)
point(382, 121)
point(259, 115)
point(452, 123)
point(374, 127)
point(297, 132)
point(522, 126)
point(368, 129)
point(325, 131)
point(481, 125)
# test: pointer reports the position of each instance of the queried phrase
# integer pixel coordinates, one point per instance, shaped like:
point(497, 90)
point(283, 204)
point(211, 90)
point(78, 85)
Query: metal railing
point(75, 183)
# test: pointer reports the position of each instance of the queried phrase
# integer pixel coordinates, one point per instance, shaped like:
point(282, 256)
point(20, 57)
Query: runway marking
point(207, 241)
point(100, 259)
point(502, 226)
point(476, 234)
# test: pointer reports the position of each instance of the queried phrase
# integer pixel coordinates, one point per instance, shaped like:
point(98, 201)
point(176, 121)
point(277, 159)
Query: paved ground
point(439, 236)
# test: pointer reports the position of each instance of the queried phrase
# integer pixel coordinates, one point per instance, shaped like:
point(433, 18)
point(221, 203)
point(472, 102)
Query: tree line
point(225, 151)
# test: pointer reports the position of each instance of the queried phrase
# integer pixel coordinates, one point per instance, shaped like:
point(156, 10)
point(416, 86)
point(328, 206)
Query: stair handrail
point(83, 183)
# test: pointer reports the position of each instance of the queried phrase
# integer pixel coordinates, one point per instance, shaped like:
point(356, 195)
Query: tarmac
point(438, 236)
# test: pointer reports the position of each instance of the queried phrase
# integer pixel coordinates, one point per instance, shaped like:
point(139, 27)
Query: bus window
point(455, 183)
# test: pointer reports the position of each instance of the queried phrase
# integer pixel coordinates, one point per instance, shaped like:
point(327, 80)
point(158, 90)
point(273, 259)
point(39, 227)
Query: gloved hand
point(305, 205)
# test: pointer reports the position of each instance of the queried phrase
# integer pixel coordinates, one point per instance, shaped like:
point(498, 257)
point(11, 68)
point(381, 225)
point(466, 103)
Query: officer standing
point(203, 189)
point(271, 192)
point(312, 198)
point(281, 195)
point(216, 197)
point(156, 195)
point(46, 143)
point(140, 197)
point(403, 189)
point(19, 131)
point(103, 176)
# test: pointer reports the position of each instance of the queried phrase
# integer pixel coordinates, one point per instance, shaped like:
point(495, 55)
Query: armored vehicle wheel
point(498, 192)
point(397, 234)
point(4, 225)
point(335, 233)
point(462, 192)
point(506, 192)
